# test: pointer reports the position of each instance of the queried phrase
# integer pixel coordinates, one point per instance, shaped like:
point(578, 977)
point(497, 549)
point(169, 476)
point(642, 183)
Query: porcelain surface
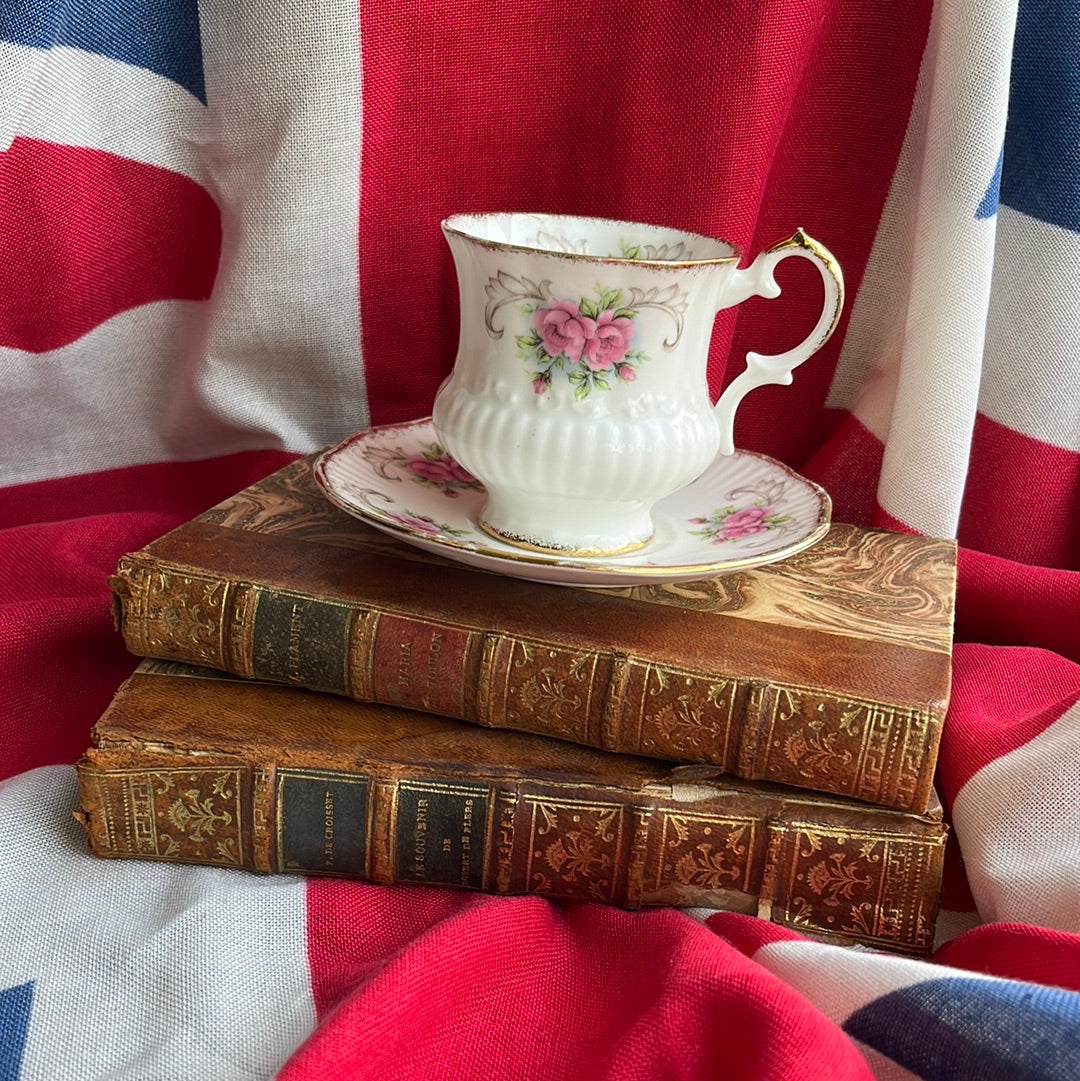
point(578, 393)
point(746, 510)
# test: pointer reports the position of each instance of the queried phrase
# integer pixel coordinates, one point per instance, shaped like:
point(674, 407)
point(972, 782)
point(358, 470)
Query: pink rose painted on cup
point(610, 341)
point(563, 330)
point(587, 340)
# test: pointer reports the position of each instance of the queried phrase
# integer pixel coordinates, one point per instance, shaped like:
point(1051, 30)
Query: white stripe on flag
point(855, 978)
point(143, 970)
point(918, 323)
point(20, 69)
point(1019, 830)
point(283, 347)
point(76, 98)
point(933, 1020)
point(273, 359)
point(1032, 361)
point(117, 396)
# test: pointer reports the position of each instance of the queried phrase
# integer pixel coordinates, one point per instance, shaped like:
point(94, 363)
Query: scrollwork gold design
point(681, 828)
point(852, 720)
point(576, 843)
point(522, 654)
point(503, 289)
point(549, 698)
point(708, 852)
point(813, 752)
point(656, 680)
point(789, 704)
point(167, 846)
point(197, 818)
point(680, 721)
point(710, 866)
point(227, 851)
point(713, 694)
point(833, 879)
point(575, 855)
point(188, 622)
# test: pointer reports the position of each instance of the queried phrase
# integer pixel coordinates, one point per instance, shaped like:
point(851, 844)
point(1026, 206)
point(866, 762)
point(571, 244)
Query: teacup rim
point(449, 225)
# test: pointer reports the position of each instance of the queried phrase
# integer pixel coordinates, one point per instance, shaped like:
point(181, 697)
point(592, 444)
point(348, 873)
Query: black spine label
point(302, 641)
point(442, 833)
point(322, 822)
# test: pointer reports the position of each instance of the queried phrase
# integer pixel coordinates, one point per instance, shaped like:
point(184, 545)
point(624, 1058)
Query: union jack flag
point(220, 249)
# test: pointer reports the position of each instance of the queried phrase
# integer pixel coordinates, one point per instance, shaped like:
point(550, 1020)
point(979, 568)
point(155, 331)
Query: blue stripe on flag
point(988, 207)
point(159, 35)
point(1041, 170)
point(14, 1021)
point(989, 1029)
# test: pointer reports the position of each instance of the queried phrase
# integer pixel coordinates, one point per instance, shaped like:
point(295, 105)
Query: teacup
point(578, 395)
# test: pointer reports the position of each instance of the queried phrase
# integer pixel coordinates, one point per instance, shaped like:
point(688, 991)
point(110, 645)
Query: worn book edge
point(620, 830)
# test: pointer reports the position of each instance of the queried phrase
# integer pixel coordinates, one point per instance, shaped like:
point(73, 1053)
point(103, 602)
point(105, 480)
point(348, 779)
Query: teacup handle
point(758, 280)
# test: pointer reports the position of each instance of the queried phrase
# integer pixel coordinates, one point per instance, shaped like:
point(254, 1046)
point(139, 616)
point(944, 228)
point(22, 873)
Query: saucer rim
point(594, 564)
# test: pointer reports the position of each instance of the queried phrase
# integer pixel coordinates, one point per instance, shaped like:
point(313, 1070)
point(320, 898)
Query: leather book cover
point(828, 671)
point(188, 765)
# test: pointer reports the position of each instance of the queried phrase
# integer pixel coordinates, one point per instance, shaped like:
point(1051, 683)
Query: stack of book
point(319, 698)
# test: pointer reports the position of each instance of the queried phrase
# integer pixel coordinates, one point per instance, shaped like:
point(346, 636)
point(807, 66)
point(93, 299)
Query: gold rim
point(618, 260)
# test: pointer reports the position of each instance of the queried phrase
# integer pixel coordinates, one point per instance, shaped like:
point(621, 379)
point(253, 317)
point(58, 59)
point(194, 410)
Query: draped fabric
point(220, 248)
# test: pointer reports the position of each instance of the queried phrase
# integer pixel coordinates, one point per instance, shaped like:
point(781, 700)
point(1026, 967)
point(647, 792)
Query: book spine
point(561, 841)
point(804, 736)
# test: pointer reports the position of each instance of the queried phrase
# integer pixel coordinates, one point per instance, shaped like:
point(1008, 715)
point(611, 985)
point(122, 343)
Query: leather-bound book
point(829, 670)
point(192, 766)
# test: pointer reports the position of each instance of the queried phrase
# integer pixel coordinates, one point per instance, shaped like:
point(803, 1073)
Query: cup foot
point(531, 545)
point(567, 527)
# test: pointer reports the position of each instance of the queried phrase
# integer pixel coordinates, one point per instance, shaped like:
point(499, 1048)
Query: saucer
point(744, 511)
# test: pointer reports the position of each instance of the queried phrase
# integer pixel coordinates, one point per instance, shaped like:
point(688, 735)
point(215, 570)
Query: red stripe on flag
point(1005, 603)
point(177, 489)
point(1002, 697)
point(59, 652)
point(848, 466)
point(748, 933)
point(60, 655)
point(1022, 499)
point(88, 234)
point(392, 917)
point(1017, 951)
point(585, 989)
point(884, 520)
point(717, 120)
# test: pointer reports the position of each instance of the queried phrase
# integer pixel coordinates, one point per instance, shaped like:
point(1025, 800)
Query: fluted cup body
point(579, 395)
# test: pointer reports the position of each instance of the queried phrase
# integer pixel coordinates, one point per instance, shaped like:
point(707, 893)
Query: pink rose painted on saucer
point(422, 523)
point(393, 478)
point(434, 467)
point(731, 523)
point(442, 470)
point(746, 522)
point(427, 464)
